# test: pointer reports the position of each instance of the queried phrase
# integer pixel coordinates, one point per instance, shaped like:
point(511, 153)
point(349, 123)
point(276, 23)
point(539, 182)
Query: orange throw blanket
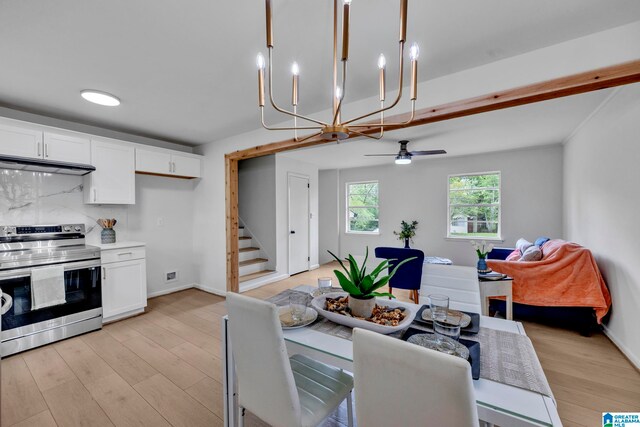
point(567, 276)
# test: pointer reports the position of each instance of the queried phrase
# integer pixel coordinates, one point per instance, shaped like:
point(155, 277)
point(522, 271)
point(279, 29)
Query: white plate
point(309, 317)
point(410, 313)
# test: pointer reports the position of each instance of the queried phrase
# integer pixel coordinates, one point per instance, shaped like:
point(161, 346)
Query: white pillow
point(533, 253)
point(522, 245)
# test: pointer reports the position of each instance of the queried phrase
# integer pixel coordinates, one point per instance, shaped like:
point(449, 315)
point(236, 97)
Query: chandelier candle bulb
point(345, 29)
point(260, 64)
point(382, 62)
point(414, 52)
point(295, 71)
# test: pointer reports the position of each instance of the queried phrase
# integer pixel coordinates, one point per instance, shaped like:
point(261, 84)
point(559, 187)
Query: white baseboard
point(171, 290)
point(635, 360)
point(210, 290)
point(261, 281)
point(314, 267)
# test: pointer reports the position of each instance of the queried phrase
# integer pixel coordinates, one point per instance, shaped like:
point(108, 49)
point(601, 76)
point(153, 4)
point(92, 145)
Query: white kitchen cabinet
point(151, 161)
point(168, 163)
point(124, 280)
point(67, 148)
point(186, 166)
point(20, 141)
point(113, 181)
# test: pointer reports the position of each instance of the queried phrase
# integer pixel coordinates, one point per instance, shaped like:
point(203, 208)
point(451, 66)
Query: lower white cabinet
point(124, 281)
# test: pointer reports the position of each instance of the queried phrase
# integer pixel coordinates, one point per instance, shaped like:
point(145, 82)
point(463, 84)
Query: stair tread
point(244, 238)
point(249, 249)
point(252, 261)
point(252, 276)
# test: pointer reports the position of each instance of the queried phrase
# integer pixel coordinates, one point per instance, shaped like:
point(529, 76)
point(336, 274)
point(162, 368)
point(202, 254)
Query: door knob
point(293, 232)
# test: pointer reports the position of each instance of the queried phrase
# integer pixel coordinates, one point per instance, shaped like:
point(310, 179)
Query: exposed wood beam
point(602, 78)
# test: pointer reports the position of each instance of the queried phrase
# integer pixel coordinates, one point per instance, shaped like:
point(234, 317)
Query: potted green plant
point(407, 231)
point(361, 286)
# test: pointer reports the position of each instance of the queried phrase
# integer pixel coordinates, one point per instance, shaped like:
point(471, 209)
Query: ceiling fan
point(403, 157)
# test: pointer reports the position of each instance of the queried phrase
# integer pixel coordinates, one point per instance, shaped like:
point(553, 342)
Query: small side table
point(496, 288)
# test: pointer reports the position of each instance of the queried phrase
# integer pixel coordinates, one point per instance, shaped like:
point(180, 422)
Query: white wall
point(531, 200)
point(284, 166)
point(328, 211)
point(28, 198)
point(257, 202)
point(601, 179)
point(161, 218)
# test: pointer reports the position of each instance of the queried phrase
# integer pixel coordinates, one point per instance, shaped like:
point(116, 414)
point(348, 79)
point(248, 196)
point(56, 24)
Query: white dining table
point(499, 404)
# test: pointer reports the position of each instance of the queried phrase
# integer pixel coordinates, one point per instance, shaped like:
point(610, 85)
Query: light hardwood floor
point(163, 369)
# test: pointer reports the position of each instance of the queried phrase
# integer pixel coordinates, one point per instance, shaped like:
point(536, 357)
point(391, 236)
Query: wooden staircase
point(250, 262)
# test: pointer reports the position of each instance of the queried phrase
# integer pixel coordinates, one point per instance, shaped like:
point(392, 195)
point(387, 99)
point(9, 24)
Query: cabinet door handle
point(174, 167)
point(125, 253)
point(38, 147)
point(46, 150)
point(104, 273)
point(170, 167)
point(95, 195)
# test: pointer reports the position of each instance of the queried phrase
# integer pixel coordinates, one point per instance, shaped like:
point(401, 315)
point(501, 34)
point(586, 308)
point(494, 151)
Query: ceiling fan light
point(403, 159)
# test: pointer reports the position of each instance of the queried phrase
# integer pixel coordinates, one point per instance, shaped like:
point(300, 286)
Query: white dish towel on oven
point(47, 287)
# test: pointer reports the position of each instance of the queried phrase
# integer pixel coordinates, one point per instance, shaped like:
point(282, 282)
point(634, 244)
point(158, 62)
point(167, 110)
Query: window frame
point(347, 206)
point(497, 238)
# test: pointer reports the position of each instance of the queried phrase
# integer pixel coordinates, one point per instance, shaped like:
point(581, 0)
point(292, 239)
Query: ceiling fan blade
point(427, 153)
point(378, 155)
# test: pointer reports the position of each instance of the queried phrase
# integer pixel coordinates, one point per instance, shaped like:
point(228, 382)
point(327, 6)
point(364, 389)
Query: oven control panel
point(22, 230)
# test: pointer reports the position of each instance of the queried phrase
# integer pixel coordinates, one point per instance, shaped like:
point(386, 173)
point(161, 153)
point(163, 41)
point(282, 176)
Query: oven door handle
point(26, 272)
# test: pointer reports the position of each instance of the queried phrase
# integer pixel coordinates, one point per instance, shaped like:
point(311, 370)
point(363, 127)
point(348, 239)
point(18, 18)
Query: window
point(362, 207)
point(474, 206)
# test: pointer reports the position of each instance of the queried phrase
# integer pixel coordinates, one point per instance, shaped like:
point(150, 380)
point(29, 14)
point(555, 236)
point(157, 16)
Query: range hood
point(41, 165)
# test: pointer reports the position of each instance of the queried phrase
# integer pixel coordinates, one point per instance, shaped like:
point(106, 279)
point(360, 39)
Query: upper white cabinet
point(168, 163)
point(67, 148)
point(20, 141)
point(113, 181)
point(186, 166)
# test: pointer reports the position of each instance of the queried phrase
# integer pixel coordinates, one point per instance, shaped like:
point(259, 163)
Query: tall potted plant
point(407, 231)
point(361, 286)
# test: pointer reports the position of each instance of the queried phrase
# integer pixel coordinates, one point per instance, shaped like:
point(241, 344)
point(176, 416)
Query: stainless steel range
point(52, 282)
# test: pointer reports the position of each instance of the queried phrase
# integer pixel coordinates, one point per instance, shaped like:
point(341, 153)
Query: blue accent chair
point(409, 275)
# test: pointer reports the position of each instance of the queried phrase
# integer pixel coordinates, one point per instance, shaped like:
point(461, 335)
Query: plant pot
point(108, 235)
point(406, 243)
point(361, 307)
point(482, 266)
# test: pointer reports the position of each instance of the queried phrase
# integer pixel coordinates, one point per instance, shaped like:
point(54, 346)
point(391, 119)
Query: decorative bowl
point(410, 312)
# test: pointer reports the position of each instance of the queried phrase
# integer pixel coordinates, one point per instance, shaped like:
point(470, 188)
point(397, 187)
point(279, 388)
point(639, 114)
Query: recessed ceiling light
point(101, 98)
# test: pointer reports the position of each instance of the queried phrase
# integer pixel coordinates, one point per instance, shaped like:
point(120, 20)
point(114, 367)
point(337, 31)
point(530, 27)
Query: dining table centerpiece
point(362, 286)
point(482, 250)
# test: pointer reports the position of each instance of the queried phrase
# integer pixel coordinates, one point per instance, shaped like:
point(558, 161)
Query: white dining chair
point(280, 390)
point(458, 282)
point(403, 384)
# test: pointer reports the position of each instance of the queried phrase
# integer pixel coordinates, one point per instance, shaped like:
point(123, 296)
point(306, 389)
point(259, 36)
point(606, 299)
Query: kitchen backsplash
point(30, 198)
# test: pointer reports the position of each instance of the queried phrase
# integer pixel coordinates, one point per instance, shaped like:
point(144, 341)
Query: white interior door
point(298, 224)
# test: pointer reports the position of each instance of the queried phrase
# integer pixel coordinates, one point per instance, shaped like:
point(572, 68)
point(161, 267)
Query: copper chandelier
point(337, 129)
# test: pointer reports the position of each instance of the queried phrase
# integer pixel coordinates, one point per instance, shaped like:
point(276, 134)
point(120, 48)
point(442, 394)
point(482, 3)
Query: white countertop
point(119, 245)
